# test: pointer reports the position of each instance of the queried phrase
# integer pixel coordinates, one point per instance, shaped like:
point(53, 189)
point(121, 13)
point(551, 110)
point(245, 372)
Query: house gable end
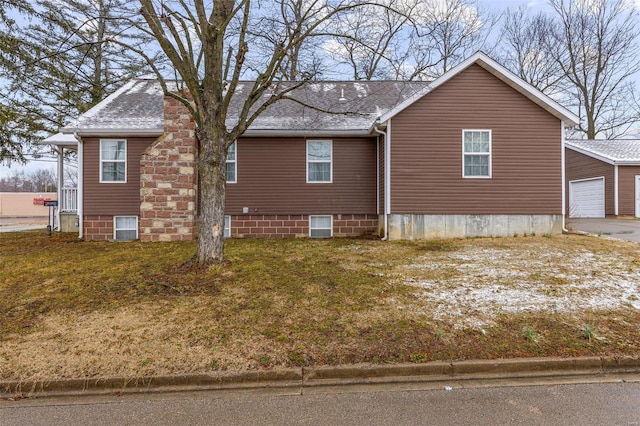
point(427, 151)
point(497, 70)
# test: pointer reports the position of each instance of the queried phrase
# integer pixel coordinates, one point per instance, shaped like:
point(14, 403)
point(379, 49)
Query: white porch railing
point(69, 200)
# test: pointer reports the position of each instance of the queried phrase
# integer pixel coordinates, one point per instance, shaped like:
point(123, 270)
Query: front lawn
point(90, 309)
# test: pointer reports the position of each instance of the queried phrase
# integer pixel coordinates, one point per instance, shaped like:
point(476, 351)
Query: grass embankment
point(89, 309)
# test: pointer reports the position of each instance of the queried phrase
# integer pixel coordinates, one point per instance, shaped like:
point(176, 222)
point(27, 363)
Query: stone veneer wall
point(288, 226)
point(98, 228)
point(168, 179)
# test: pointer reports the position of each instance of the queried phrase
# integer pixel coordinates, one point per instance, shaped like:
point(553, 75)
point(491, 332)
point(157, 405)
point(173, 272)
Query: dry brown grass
point(88, 309)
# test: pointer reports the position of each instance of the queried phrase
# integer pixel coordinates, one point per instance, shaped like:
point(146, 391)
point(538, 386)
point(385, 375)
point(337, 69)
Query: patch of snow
point(361, 90)
point(480, 284)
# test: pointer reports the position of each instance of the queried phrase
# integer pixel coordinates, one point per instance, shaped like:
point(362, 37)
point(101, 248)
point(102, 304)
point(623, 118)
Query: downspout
point(615, 190)
point(378, 175)
point(563, 175)
point(80, 200)
point(387, 198)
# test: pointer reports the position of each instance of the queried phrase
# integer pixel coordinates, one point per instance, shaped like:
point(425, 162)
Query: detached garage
point(602, 177)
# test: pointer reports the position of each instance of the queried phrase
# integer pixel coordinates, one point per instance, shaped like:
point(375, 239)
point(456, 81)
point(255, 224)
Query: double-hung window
point(319, 159)
point(113, 160)
point(232, 164)
point(476, 153)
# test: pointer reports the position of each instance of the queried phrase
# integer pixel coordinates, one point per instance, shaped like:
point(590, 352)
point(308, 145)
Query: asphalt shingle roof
point(337, 106)
point(136, 106)
point(615, 150)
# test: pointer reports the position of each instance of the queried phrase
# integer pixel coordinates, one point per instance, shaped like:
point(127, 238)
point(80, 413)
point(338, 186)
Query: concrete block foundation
point(418, 227)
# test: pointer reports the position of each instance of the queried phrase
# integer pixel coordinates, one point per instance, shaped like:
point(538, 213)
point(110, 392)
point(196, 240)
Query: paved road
point(15, 224)
point(623, 229)
point(582, 404)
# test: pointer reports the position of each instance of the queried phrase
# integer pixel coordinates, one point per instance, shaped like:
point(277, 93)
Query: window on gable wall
point(232, 164)
point(476, 153)
point(113, 160)
point(319, 159)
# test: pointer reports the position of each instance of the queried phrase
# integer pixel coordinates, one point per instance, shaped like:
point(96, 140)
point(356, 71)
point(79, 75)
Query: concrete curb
point(588, 368)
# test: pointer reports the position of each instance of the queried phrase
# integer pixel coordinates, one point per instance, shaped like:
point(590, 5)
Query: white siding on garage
point(586, 198)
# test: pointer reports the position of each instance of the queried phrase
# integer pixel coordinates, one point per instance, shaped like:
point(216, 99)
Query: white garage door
point(586, 198)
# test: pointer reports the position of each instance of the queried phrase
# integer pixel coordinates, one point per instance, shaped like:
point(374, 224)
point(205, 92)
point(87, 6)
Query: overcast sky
point(495, 5)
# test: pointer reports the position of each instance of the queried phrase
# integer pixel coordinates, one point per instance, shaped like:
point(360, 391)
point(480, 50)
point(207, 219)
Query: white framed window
point(320, 226)
point(125, 228)
point(476, 153)
point(232, 162)
point(319, 161)
point(227, 227)
point(113, 161)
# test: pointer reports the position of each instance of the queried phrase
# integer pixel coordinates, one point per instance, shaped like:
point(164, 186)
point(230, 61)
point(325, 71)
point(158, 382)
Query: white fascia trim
point(615, 189)
point(309, 133)
point(602, 157)
point(589, 153)
point(482, 59)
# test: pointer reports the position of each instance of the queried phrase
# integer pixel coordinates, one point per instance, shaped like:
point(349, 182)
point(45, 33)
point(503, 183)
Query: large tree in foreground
point(197, 37)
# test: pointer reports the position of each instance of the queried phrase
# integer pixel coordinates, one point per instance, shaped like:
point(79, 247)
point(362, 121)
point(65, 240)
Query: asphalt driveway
point(622, 229)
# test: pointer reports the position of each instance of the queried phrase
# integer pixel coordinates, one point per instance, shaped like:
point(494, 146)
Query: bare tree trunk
point(212, 184)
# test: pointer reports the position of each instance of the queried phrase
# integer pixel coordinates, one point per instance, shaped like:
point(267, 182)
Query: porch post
point(60, 152)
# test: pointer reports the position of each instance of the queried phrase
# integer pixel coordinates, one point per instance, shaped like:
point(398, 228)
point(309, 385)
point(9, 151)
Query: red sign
point(39, 201)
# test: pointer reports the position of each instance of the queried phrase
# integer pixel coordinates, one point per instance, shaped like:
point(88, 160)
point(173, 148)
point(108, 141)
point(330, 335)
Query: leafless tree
point(409, 39)
point(526, 49)
point(41, 180)
point(373, 40)
point(595, 44)
point(455, 29)
point(196, 36)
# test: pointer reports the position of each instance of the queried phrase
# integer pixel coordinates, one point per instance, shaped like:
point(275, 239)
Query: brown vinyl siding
point(627, 189)
point(112, 198)
point(271, 178)
point(426, 151)
point(580, 166)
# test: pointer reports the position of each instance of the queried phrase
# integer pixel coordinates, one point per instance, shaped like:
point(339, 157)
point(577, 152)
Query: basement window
point(125, 228)
point(320, 226)
point(227, 227)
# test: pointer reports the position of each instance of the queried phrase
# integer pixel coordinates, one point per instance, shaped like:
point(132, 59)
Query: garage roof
point(612, 151)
